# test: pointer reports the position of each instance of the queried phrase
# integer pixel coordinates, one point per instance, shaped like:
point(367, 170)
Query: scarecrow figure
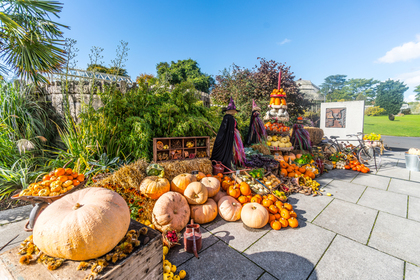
point(256, 130)
point(228, 143)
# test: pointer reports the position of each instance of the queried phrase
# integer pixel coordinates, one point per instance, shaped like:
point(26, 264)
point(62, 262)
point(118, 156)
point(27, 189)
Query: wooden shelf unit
point(171, 140)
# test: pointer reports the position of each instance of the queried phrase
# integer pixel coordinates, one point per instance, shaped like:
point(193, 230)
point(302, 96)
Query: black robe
point(223, 145)
point(254, 138)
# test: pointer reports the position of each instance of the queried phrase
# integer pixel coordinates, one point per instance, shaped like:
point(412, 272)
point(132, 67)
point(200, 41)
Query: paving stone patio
point(368, 229)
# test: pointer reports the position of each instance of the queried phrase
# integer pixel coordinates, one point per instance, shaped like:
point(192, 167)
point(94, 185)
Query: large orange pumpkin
point(181, 182)
point(196, 193)
point(212, 184)
point(204, 213)
point(82, 225)
point(171, 211)
point(229, 209)
point(154, 186)
point(254, 215)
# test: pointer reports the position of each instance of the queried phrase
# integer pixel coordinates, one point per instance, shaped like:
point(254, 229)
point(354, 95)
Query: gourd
point(204, 213)
point(180, 182)
point(229, 209)
point(82, 225)
point(254, 215)
point(196, 193)
point(154, 186)
point(171, 211)
point(212, 184)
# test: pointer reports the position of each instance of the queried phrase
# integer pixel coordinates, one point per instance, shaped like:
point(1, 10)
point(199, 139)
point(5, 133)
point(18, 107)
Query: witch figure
point(228, 144)
point(256, 130)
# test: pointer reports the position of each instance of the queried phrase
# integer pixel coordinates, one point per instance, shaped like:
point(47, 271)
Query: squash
point(292, 156)
point(180, 182)
point(286, 158)
point(82, 225)
point(171, 211)
point(254, 215)
point(200, 176)
point(302, 170)
point(196, 193)
point(245, 189)
point(219, 195)
point(212, 184)
point(310, 174)
point(283, 172)
point(234, 191)
point(229, 209)
point(204, 213)
point(153, 186)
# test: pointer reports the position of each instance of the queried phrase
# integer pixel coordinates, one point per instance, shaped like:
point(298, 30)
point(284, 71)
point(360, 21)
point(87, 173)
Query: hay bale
point(315, 134)
point(174, 168)
point(128, 176)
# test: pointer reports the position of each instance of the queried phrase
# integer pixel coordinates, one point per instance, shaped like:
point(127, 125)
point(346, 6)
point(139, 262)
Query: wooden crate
point(170, 141)
point(146, 262)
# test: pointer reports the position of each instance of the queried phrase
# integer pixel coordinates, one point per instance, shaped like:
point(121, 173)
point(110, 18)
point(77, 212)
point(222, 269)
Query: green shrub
point(375, 111)
point(406, 111)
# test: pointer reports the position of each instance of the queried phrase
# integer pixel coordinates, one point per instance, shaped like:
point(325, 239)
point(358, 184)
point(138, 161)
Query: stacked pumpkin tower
point(276, 116)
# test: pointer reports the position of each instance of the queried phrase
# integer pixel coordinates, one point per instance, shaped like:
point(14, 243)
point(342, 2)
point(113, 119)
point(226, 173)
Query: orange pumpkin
point(293, 214)
point(171, 211)
point(286, 158)
point(288, 206)
point(283, 172)
point(347, 166)
point(365, 169)
point(226, 184)
point(229, 209)
point(154, 186)
point(95, 216)
point(293, 222)
point(310, 174)
point(273, 209)
point(267, 202)
point(284, 223)
point(200, 176)
point(254, 215)
point(234, 191)
point(272, 198)
point(271, 217)
point(302, 169)
point(242, 199)
point(285, 213)
point(284, 164)
point(196, 193)
point(204, 213)
point(279, 204)
point(181, 182)
point(276, 225)
point(256, 199)
point(290, 169)
point(245, 189)
point(278, 216)
point(291, 174)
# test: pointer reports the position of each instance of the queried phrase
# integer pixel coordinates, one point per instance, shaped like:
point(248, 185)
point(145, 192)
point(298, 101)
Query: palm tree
point(30, 42)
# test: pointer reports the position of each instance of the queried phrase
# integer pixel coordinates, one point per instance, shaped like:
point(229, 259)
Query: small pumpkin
point(204, 213)
point(284, 164)
point(243, 199)
point(293, 222)
point(229, 209)
point(285, 213)
point(96, 217)
point(276, 225)
point(181, 182)
point(199, 176)
point(291, 174)
point(310, 174)
point(171, 211)
point(219, 195)
point(212, 184)
point(153, 186)
point(284, 172)
point(254, 215)
point(245, 189)
point(273, 209)
point(234, 191)
point(196, 193)
point(284, 223)
point(302, 170)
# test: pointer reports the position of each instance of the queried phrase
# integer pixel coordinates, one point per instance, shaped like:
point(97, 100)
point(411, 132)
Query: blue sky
point(361, 39)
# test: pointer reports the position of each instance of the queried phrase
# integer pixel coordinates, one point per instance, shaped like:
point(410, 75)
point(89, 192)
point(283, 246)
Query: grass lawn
point(408, 125)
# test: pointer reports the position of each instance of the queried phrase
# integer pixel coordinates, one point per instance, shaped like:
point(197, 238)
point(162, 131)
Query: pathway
point(368, 229)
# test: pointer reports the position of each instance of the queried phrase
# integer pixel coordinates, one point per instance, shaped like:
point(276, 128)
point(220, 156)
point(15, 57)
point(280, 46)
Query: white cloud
point(410, 98)
point(285, 41)
point(406, 52)
point(412, 79)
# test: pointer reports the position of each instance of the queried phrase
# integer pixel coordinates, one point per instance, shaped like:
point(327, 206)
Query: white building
point(311, 92)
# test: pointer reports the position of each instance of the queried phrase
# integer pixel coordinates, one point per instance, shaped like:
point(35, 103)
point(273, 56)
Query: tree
point(184, 70)
point(332, 87)
point(30, 43)
point(146, 78)
point(390, 95)
point(417, 89)
point(257, 83)
point(361, 89)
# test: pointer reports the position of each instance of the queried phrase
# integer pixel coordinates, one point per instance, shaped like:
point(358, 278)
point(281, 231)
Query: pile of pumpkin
point(276, 127)
point(355, 165)
point(291, 170)
point(55, 183)
point(169, 269)
point(201, 198)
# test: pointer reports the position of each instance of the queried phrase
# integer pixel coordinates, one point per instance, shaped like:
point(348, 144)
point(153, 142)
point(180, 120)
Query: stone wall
point(79, 92)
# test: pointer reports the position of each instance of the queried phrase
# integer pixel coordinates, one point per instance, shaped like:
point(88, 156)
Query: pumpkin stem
point(77, 206)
